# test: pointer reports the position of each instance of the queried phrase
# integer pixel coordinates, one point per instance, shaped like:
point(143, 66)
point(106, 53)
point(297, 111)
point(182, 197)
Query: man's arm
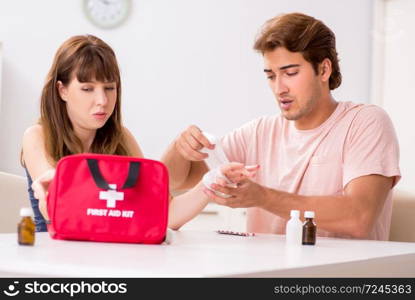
point(354, 213)
point(184, 159)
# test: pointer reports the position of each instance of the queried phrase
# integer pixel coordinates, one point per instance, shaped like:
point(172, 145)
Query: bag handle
point(133, 172)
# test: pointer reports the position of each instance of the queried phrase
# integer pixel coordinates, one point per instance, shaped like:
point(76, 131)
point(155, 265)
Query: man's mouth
point(286, 103)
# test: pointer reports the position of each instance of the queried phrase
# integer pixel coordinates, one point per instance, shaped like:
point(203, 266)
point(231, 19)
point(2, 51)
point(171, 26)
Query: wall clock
point(107, 13)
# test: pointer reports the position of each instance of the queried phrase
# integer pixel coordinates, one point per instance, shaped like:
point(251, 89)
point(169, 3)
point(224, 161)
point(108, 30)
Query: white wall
point(394, 84)
point(1, 69)
point(182, 62)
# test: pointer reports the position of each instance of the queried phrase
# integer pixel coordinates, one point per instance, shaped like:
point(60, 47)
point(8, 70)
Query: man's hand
point(40, 188)
point(246, 194)
point(190, 142)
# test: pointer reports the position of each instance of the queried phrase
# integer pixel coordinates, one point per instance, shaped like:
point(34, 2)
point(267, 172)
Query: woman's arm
point(185, 207)
point(38, 166)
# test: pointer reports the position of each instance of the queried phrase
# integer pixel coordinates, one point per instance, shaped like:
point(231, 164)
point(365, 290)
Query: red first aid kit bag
point(109, 198)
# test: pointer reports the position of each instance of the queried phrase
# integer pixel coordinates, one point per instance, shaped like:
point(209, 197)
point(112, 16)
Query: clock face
point(107, 13)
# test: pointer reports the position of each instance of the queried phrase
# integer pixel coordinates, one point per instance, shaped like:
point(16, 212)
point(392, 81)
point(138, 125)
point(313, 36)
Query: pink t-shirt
point(356, 140)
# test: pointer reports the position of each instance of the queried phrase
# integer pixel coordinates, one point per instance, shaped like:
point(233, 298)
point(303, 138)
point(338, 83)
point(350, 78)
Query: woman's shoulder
point(126, 131)
point(32, 134)
point(128, 136)
point(132, 143)
point(34, 128)
point(33, 153)
point(32, 141)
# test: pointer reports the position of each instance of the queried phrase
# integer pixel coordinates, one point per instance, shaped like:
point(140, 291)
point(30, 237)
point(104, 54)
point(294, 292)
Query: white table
point(206, 254)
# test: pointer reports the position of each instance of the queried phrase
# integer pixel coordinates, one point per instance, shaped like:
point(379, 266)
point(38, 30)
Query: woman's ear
point(62, 90)
point(325, 69)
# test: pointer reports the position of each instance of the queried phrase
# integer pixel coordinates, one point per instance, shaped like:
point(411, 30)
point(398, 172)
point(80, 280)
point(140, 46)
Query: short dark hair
point(301, 33)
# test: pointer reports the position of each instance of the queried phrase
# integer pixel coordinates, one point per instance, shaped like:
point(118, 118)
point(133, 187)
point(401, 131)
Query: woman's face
point(89, 104)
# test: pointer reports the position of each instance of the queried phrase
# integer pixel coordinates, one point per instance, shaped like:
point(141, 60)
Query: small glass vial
point(26, 228)
point(309, 229)
point(294, 229)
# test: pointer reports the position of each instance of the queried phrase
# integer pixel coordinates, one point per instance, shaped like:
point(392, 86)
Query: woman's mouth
point(100, 115)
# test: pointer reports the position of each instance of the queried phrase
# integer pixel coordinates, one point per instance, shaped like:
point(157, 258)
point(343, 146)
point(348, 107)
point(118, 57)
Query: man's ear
point(62, 90)
point(325, 69)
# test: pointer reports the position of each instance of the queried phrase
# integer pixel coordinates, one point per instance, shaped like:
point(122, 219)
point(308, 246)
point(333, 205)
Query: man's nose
point(280, 87)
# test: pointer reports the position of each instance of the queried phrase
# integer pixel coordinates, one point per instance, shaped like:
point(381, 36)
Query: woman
point(81, 112)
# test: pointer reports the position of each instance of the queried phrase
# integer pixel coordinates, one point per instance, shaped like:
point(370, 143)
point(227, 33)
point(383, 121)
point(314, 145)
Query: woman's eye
point(110, 88)
point(87, 89)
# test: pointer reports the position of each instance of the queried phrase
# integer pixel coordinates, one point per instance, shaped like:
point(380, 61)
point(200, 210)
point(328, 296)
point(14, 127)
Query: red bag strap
point(133, 172)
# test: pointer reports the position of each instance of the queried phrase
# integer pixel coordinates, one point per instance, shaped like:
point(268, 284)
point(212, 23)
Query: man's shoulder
point(368, 120)
point(357, 115)
point(368, 113)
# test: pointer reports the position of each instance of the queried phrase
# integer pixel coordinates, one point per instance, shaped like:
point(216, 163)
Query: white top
point(295, 213)
point(309, 214)
point(356, 140)
point(207, 254)
point(26, 212)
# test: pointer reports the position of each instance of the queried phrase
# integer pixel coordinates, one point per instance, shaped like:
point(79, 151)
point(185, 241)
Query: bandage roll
point(212, 177)
point(216, 157)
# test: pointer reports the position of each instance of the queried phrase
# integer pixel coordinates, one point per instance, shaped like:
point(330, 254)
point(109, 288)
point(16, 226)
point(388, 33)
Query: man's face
point(294, 83)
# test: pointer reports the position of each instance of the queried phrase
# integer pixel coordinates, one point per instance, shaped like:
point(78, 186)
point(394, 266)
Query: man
point(338, 159)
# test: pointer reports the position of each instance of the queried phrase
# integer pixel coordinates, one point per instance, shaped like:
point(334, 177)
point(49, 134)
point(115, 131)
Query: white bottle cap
point(211, 138)
point(295, 213)
point(309, 214)
point(26, 212)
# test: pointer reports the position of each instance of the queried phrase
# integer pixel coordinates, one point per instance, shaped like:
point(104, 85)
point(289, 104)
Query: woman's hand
point(234, 187)
point(236, 172)
point(40, 188)
point(229, 175)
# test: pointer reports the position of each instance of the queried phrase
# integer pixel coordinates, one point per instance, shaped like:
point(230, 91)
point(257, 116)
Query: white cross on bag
point(111, 195)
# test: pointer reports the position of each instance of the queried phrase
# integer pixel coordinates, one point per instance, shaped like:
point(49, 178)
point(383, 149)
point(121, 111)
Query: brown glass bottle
point(309, 229)
point(26, 228)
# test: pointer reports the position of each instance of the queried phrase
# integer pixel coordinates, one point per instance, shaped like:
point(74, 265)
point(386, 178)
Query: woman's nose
point(101, 97)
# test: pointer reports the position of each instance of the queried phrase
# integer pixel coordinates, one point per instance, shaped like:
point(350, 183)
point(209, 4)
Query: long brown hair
point(301, 33)
point(88, 58)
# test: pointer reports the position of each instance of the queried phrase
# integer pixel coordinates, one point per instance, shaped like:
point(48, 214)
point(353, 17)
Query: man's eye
point(271, 77)
point(292, 73)
point(110, 88)
point(87, 89)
